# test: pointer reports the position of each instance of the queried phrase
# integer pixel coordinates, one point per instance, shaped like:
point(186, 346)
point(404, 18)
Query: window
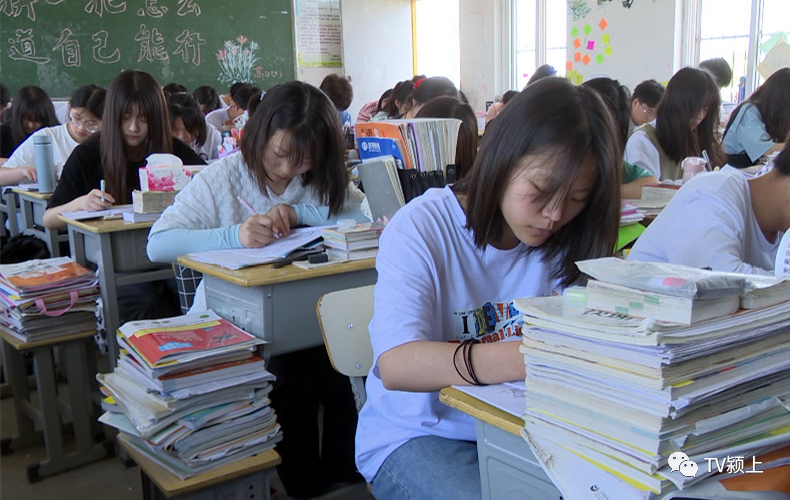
point(438, 47)
point(540, 37)
point(742, 32)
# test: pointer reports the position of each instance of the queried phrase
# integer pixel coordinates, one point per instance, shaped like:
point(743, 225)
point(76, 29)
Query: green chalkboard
point(62, 44)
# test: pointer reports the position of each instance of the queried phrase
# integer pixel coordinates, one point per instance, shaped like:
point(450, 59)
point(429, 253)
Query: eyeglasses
point(649, 112)
point(90, 126)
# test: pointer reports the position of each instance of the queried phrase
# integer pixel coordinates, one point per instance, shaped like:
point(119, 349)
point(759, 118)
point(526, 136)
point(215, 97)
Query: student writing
point(85, 117)
point(543, 193)
point(31, 110)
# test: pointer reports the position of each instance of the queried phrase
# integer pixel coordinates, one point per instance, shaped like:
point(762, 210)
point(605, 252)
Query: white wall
point(376, 49)
point(645, 40)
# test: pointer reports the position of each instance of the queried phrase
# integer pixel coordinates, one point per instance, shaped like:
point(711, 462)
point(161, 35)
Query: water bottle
point(45, 165)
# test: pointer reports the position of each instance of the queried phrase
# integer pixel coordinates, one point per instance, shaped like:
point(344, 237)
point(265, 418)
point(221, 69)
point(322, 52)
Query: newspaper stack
point(648, 407)
point(190, 393)
point(47, 298)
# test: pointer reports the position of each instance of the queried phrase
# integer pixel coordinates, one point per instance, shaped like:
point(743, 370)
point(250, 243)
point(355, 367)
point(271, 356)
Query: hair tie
point(418, 83)
point(263, 93)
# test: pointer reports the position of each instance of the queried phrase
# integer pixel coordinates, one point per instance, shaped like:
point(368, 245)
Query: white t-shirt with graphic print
point(434, 284)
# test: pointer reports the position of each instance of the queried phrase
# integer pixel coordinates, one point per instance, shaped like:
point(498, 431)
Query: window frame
point(541, 30)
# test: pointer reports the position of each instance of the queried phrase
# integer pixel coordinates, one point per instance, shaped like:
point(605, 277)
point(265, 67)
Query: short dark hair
point(430, 88)
point(772, 99)
point(720, 69)
point(234, 87)
point(242, 95)
point(449, 107)
point(649, 93)
point(31, 103)
point(339, 90)
point(185, 106)
point(313, 133)
point(386, 95)
point(689, 91)
point(90, 97)
point(207, 97)
point(5, 95)
point(568, 127)
point(618, 99)
point(543, 71)
point(174, 88)
point(400, 94)
point(510, 94)
point(782, 161)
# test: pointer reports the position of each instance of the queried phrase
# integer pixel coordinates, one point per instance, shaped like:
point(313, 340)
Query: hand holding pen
point(258, 230)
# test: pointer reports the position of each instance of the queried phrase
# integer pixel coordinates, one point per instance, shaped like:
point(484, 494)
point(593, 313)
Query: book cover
point(385, 130)
point(375, 147)
point(41, 272)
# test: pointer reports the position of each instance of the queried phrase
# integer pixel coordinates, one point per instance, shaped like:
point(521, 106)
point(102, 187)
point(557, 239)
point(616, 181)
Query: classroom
point(395, 249)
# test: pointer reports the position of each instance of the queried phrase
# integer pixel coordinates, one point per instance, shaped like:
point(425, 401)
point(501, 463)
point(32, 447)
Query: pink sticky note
point(591, 45)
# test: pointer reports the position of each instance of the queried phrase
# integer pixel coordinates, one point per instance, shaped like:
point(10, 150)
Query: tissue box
point(167, 178)
point(148, 202)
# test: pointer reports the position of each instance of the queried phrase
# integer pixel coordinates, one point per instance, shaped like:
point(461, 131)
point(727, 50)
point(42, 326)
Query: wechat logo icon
point(679, 462)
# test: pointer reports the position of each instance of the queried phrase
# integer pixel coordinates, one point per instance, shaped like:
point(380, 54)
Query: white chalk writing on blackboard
point(151, 44)
point(100, 37)
point(70, 48)
point(262, 74)
point(188, 7)
point(99, 6)
point(189, 41)
point(24, 49)
point(152, 9)
point(55, 2)
point(13, 8)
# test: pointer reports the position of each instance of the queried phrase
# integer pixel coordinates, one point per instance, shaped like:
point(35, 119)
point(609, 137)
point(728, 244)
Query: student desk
point(278, 305)
point(80, 365)
point(508, 468)
point(33, 205)
point(248, 478)
point(117, 248)
point(8, 206)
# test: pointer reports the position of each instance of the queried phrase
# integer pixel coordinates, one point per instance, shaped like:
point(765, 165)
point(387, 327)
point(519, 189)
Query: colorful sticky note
point(579, 78)
point(577, 43)
point(599, 58)
point(591, 45)
point(574, 31)
point(586, 59)
point(577, 57)
point(568, 65)
point(605, 39)
point(587, 29)
point(608, 50)
point(603, 24)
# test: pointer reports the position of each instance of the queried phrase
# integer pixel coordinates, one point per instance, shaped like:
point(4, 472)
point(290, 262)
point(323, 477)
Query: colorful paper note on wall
point(591, 45)
point(599, 58)
point(605, 39)
point(569, 66)
point(577, 43)
point(586, 59)
point(574, 31)
point(603, 24)
point(577, 57)
point(608, 50)
point(587, 29)
point(578, 78)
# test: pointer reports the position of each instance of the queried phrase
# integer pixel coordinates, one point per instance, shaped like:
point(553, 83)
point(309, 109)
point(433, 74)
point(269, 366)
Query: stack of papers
point(109, 214)
point(190, 393)
point(624, 394)
point(48, 298)
point(629, 214)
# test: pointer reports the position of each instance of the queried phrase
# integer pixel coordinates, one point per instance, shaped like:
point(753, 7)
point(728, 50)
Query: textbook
point(115, 212)
point(382, 185)
point(141, 217)
point(376, 147)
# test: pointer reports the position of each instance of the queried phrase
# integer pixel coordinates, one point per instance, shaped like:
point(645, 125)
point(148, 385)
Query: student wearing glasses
point(85, 113)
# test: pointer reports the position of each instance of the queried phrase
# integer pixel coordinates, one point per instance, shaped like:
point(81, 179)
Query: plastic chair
point(344, 317)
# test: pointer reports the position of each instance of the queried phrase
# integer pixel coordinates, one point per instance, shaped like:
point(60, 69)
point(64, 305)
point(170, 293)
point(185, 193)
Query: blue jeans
point(430, 468)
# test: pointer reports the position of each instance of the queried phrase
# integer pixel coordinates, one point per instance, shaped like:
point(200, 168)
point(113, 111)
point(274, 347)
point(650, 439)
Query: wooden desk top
point(24, 346)
point(265, 275)
point(173, 486)
point(32, 194)
point(99, 226)
point(470, 405)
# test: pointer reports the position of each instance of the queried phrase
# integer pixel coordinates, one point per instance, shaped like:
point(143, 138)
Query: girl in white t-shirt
point(85, 113)
point(544, 192)
point(189, 125)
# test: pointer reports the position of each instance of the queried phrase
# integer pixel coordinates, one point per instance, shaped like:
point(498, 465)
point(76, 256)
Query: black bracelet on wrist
point(455, 362)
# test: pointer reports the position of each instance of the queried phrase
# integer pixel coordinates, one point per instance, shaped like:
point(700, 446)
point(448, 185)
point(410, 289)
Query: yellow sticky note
point(605, 39)
point(608, 50)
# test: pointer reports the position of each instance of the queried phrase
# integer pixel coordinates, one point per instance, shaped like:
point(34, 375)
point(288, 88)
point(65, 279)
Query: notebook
point(109, 214)
point(382, 187)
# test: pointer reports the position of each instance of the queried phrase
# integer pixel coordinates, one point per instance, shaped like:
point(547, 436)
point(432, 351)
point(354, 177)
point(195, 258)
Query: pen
point(252, 211)
point(101, 188)
point(707, 160)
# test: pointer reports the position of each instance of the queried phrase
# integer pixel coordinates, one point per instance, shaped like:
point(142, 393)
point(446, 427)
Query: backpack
point(21, 248)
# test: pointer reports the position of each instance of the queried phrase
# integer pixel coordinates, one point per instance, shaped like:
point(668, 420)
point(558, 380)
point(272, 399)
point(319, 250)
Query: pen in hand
point(252, 211)
point(101, 188)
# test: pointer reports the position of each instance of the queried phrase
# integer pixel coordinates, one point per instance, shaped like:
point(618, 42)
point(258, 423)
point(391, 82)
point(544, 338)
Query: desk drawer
point(509, 469)
point(128, 250)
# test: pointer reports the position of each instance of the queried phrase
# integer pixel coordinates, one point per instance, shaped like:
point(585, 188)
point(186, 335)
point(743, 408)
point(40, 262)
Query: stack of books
point(190, 393)
point(625, 395)
point(358, 242)
point(630, 214)
point(48, 298)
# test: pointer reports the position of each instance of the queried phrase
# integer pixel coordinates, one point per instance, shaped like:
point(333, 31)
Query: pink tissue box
point(167, 178)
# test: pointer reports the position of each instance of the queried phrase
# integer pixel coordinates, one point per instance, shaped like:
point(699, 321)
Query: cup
point(692, 166)
point(45, 165)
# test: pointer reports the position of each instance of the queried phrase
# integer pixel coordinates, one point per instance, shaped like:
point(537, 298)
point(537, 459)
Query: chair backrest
point(344, 317)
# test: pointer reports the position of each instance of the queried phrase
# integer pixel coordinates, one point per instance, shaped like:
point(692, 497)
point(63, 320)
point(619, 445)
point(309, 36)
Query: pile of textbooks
point(650, 406)
point(47, 298)
point(354, 243)
point(190, 393)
